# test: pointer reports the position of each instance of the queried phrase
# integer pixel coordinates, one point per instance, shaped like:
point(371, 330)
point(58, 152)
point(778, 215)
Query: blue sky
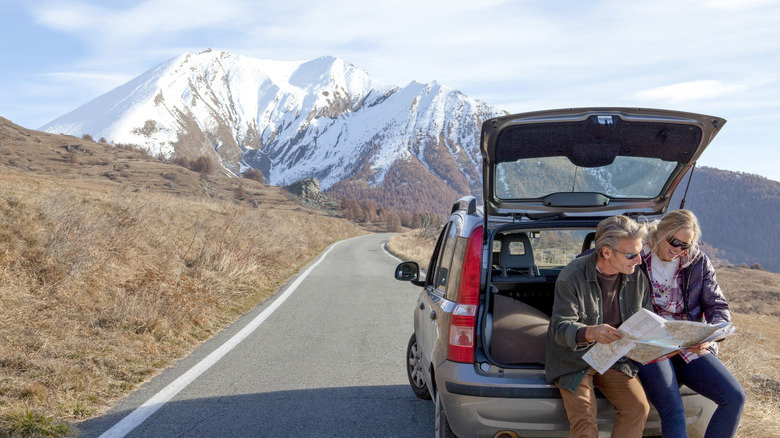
point(717, 57)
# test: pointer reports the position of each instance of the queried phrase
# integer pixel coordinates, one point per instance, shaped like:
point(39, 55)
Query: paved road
point(329, 361)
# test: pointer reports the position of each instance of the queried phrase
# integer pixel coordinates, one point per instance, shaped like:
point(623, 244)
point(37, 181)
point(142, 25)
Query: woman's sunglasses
point(676, 243)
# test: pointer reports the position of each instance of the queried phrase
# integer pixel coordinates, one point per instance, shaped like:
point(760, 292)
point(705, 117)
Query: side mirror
point(408, 271)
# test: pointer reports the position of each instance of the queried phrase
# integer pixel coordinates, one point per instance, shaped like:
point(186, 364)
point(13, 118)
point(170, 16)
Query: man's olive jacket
point(578, 304)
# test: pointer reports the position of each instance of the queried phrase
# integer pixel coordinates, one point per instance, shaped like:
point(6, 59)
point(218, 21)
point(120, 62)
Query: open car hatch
point(590, 161)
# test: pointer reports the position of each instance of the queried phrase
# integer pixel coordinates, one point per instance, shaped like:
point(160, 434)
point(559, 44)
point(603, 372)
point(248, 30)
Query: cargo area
point(521, 290)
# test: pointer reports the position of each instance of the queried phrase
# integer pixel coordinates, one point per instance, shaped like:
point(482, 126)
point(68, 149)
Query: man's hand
point(604, 334)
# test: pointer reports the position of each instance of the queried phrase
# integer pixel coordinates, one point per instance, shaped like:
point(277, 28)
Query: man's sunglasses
point(676, 243)
point(629, 256)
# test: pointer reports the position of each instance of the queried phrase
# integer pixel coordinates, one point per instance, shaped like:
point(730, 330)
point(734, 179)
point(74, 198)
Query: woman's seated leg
point(710, 378)
point(660, 384)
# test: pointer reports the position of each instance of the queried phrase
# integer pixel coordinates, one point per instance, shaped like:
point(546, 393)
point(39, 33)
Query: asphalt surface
point(325, 357)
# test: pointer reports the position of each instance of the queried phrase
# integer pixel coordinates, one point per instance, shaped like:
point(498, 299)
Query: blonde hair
point(610, 230)
point(670, 224)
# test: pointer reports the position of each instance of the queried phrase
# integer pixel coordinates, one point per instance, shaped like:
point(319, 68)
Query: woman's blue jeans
point(705, 375)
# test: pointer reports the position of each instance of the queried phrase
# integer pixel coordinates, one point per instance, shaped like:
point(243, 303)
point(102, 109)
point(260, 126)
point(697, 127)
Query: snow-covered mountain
point(323, 118)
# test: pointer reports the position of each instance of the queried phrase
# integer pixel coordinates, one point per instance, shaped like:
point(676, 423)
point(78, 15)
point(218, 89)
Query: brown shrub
point(255, 175)
point(202, 164)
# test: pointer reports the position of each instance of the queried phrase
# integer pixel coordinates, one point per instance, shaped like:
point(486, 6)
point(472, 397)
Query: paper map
point(649, 336)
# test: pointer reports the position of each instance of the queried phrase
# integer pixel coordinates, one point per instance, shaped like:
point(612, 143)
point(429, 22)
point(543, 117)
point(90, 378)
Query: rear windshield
point(606, 154)
point(625, 177)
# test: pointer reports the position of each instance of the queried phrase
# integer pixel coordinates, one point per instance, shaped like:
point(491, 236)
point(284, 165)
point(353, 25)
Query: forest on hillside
point(738, 213)
point(407, 187)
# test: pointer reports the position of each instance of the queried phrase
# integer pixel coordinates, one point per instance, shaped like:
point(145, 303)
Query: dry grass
point(103, 283)
point(412, 246)
point(752, 354)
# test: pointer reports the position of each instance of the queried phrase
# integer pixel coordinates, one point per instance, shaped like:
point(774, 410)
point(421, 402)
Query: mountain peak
point(324, 118)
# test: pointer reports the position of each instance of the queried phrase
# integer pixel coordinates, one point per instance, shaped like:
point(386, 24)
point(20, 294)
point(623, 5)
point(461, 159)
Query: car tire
point(443, 429)
point(414, 370)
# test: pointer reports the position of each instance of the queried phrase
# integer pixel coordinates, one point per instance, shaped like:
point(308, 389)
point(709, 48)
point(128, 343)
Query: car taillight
point(464, 316)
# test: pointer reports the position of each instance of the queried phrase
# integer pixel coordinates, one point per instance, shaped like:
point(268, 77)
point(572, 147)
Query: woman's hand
point(699, 349)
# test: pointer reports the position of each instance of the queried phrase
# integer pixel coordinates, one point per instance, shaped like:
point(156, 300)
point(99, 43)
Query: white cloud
point(706, 89)
point(88, 76)
point(733, 5)
point(690, 91)
point(143, 19)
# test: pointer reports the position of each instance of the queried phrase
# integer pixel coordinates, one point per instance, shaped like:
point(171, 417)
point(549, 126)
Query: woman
point(684, 287)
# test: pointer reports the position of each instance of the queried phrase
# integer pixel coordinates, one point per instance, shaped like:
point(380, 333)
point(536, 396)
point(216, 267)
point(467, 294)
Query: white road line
point(138, 416)
point(384, 248)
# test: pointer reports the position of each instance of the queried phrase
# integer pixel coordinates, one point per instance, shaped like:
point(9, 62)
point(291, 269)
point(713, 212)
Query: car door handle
point(433, 315)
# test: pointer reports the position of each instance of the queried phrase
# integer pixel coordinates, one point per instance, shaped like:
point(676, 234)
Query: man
point(594, 294)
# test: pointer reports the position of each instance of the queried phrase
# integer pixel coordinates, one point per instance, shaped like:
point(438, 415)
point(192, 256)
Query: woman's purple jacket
point(702, 293)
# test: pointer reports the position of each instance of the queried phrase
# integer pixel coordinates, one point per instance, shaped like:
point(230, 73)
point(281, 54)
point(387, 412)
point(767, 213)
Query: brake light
point(464, 316)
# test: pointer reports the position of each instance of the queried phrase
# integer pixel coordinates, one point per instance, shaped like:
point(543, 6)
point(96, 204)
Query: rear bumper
point(479, 405)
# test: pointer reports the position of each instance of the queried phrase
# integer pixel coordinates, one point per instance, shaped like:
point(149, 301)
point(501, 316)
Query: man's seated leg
point(581, 408)
point(627, 396)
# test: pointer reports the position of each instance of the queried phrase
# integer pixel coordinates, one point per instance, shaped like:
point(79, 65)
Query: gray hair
point(670, 224)
point(610, 230)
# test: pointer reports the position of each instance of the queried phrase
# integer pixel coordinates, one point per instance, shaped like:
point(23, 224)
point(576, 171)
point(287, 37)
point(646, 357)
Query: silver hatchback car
point(481, 320)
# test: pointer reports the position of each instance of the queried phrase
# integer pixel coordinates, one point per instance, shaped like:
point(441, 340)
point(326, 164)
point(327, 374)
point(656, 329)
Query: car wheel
point(443, 429)
point(415, 370)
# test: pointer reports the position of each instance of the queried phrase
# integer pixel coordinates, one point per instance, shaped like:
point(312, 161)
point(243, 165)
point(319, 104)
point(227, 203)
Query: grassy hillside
point(752, 354)
point(114, 264)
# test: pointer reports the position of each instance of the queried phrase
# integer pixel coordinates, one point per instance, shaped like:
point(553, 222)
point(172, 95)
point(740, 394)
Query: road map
point(649, 337)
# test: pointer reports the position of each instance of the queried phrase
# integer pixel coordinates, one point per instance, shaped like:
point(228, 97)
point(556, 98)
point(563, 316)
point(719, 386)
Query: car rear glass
point(625, 177)
point(610, 155)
